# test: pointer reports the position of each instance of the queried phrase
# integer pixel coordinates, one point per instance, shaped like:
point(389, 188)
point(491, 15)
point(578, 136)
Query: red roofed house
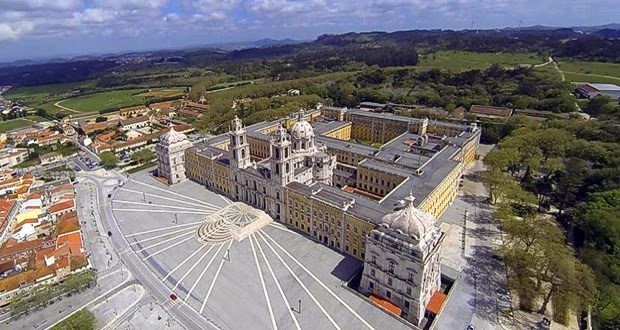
point(68, 232)
point(57, 192)
point(60, 208)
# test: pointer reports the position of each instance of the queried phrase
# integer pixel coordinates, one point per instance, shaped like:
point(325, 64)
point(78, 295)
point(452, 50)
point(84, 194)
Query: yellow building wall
point(443, 195)
point(377, 182)
point(341, 133)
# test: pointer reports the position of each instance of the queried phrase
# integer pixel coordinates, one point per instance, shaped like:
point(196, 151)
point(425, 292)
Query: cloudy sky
point(31, 29)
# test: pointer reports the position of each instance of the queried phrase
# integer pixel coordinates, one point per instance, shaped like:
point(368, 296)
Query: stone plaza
point(266, 277)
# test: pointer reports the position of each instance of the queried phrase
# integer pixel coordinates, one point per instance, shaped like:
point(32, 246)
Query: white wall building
point(403, 260)
point(171, 156)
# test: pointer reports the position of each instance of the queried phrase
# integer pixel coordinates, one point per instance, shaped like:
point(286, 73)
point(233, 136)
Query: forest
point(556, 186)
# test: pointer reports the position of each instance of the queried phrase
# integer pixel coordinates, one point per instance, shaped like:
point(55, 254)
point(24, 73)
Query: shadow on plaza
point(346, 269)
point(483, 273)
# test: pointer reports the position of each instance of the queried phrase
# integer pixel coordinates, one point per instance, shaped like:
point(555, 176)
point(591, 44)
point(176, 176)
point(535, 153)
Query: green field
point(596, 72)
point(12, 124)
point(116, 99)
point(461, 60)
point(36, 95)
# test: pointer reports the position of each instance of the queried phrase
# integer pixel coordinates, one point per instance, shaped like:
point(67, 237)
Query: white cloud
point(132, 4)
point(27, 5)
point(13, 31)
point(94, 15)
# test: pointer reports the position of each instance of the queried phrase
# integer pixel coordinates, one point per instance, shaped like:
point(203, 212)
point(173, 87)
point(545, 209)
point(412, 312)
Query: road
point(108, 185)
point(473, 298)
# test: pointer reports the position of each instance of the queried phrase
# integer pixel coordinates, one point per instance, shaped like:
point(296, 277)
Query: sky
point(38, 29)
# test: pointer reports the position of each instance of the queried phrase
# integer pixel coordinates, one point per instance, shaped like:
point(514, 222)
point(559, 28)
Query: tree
point(143, 156)
point(599, 105)
point(82, 320)
point(108, 159)
point(541, 266)
point(100, 119)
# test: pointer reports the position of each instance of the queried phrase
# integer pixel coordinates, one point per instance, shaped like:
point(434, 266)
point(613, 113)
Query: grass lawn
point(116, 99)
point(583, 77)
point(595, 68)
point(462, 60)
point(12, 124)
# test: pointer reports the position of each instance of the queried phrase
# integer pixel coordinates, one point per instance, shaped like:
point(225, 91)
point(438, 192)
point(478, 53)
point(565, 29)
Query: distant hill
point(254, 44)
point(287, 58)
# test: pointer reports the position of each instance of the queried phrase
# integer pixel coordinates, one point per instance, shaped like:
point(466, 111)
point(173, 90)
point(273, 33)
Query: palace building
point(366, 184)
point(171, 156)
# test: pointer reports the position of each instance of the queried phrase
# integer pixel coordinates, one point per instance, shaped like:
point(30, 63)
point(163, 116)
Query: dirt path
point(555, 64)
point(65, 108)
point(543, 64)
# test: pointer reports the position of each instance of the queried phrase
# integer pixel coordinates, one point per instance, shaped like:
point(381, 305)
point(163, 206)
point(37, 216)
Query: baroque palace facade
point(377, 204)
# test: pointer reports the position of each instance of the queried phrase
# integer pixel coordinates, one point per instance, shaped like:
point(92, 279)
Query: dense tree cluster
point(558, 182)
point(519, 87)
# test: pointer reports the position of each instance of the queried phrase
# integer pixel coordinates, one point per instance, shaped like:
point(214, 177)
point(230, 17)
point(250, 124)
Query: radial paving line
point(174, 193)
point(161, 211)
point(262, 282)
point(162, 205)
point(217, 273)
point(166, 248)
point(192, 268)
point(280, 227)
point(108, 212)
point(275, 279)
point(359, 317)
point(162, 229)
point(300, 283)
point(189, 293)
point(167, 198)
point(162, 242)
point(183, 262)
point(190, 229)
point(226, 200)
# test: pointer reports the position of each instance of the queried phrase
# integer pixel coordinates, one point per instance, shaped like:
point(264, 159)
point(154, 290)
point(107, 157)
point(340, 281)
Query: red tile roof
point(67, 223)
point(437, 300)
point(61, 206)
point(63, 187)
point(385, 304)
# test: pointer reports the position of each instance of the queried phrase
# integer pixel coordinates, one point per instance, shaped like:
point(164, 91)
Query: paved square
point(273, 278)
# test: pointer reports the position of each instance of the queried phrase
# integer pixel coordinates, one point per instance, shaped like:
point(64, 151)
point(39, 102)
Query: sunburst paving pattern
point(208, 250)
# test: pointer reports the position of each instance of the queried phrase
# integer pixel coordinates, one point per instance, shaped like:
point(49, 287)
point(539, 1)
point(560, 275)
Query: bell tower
point(281, 158)
point(238, 147)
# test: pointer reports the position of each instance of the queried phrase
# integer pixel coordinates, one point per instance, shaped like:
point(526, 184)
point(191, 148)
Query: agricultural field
point(35, 96)
point(115, 99)
point(166, 92)
point(462, 60)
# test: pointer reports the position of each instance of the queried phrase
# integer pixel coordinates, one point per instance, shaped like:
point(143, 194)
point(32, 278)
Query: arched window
point(392, 267)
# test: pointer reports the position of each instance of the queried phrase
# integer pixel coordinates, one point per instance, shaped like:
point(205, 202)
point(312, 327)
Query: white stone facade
point(171, 156)
point(403, 261)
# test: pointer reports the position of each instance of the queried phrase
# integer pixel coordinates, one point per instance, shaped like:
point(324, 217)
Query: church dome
point(302, 130)
point(172, 137)
point(409, 221)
